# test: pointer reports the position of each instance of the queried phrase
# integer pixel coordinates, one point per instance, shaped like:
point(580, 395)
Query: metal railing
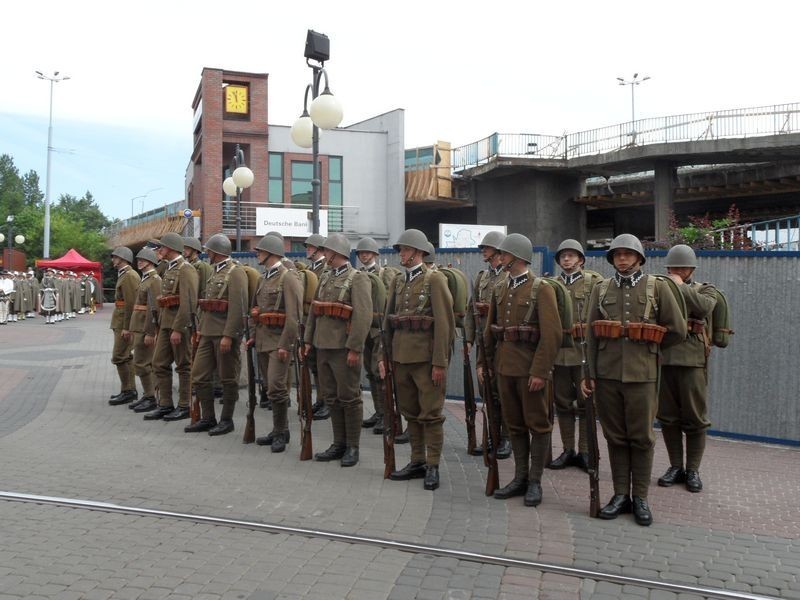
point(736, 123)
point(168, 210)
point(775, 234)
point(340, 218)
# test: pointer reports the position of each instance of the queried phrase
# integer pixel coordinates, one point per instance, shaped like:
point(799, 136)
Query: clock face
point(236, 99)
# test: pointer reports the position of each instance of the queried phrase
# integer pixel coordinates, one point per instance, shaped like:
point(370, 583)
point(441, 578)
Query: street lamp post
point(145, 195)
point(19, 238)
point(242, 177)
point(54, 78)
point(324, 112)
point(634, 81)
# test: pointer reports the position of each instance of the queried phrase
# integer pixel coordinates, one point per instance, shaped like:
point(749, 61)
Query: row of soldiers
point(60, 295)
point(401, 324)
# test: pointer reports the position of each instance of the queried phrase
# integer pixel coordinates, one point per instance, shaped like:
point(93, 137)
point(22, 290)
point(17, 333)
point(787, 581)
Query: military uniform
point(276, 317)
point(420, 327)
point(204, 273)
point(124, 300)
point(177, 305)
point(625, 371)
point(517, 316)
point(221, 315)
point(144, 322)
point(683, 390)
point(339, 322)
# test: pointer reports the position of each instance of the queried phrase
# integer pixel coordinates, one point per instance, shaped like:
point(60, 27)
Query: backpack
point(252, 282)
point(458, 284)
point(310, 282)
point(563, 303)
point(721, 331)
point(378, 297)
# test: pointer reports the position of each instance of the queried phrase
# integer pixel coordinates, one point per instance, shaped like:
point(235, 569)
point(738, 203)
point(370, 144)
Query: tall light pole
point(634, 81)
point(54, 78)
point(241, 177)
point(324, 112)
point(147, 193)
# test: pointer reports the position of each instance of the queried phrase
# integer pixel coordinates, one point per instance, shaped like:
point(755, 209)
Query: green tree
point(84, 210)
point(12, 191)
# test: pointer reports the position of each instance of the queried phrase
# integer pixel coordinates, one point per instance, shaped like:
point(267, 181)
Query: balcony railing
point(340, 218)
point(775, 234)
point(737, 123)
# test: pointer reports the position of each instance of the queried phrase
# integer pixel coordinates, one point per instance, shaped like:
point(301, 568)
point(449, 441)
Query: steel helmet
point(315, 240)
point(276, 234)
point(171, 240)
point(413, 238)
point(218, 243)
point(493, 239)
point(367, 244)
point(272, 244)
point(517, 245)
point(681, 256)
point(193, 243)
point(338, 243)
point(121, 252)
point(147, 254)
point(570, 244)
point(430, 257)
point(626, 241)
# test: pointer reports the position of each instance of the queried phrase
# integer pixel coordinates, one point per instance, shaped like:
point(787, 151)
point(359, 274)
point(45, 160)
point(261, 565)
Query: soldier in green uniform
point(191, 252)
point(221, 327)
point(482, 291)
point(631, 317)
point(124, 299)
point(367, 252)
point(522, 337)
point(177, 304)
point(337, 328)
point(420, 327)
point(567, 373)
point(144, 327)
point(275, 317)
point(318, 265)
point(683, 393)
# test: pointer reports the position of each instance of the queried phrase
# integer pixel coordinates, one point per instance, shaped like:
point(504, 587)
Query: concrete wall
point(533, 203)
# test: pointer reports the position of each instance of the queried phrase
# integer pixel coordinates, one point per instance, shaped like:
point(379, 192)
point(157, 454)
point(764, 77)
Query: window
point(335, 214)
point(275, 190)
point(302, 174)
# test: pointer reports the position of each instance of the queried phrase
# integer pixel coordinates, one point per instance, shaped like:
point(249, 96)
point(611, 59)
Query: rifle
point(389, 415)
point(194, 403)
point(549, 390)
point(470, 408)
point(250, 427)
point(591, 425)
point(305, 410)
point(491, 434)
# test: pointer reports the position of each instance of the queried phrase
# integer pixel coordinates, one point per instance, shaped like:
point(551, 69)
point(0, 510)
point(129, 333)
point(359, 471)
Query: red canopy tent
point(73, 261)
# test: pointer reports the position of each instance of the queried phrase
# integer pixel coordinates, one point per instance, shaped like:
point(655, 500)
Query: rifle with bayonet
point(491, 435)
point(470, 407)
point(305, 408)
point(390, 417)
point(591, 425)
point(250, 426)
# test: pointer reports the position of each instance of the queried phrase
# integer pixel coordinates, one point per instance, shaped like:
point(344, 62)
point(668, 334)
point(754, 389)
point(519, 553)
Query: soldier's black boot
point(516, 487)
point(201, 425)
point(146, 404)
point(565, 459)
point(279, 441)
point(266, 440)
point(504, 449)
point(334, 452)
point(182, 412)
point(158, 413)
point(672, 476)
point(378, 429)
point(413, 470)
point(693, 483)
point(124, 398)
point(224, 426)
point(320, 411)
point(350, 457)
point(533, 495)
point(641, 511)
point(431, 477)
point(582, 461)
point(371, 421)
point(619, 504)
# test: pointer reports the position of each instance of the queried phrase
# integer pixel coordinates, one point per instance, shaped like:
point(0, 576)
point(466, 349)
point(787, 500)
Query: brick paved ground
point(59, 437)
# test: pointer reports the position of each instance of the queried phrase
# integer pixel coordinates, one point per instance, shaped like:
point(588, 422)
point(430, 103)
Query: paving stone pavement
point(59, 437)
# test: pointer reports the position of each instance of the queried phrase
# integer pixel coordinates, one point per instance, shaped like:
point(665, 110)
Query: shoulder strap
point(650, 292)
point(347, 283)
point(602, 296)
point(537, 282)
point(280, 289)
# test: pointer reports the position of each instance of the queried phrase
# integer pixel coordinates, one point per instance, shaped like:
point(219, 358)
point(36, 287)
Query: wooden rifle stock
point(591, 426)
point(492, 432)
point(194, 401)
point(470, 407)
point(305, 410)
point(389, 415)
point(250, 426)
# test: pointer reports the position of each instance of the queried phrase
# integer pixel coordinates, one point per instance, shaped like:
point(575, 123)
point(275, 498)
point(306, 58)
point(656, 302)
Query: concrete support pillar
point(664, 197)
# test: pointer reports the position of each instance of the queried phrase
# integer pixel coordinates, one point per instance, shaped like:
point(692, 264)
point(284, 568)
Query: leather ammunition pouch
point(119, 303)
point(334, 310)
point(697, 326)
point(272, 319)
point(482, 308)
point(168, 301)
point(636, 332)
point(605, 329)
point(411, 322)
point(140, 307)
point(516, 333)
point(579, 330)
point(213, 305)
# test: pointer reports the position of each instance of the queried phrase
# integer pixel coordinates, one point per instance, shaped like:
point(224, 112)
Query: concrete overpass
point(542, 184)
